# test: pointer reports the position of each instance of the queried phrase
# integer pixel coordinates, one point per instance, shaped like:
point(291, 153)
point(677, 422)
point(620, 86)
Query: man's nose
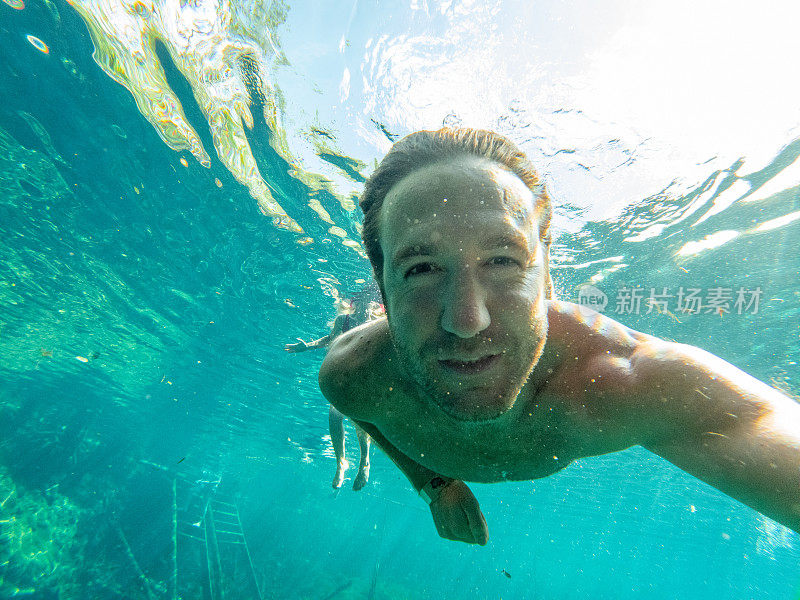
point(464, 306)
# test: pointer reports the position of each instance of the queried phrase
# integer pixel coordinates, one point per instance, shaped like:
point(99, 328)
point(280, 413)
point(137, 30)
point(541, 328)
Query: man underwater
point(479, 374)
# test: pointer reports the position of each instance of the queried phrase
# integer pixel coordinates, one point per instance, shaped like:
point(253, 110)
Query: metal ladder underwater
point(219, 536)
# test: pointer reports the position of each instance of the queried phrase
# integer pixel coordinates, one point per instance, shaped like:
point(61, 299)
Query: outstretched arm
point(454, 508)
point(739, 434)
point(302, 346)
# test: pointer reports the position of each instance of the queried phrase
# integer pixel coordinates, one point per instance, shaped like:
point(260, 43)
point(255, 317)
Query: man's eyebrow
point(507, 240)
point(413, 250)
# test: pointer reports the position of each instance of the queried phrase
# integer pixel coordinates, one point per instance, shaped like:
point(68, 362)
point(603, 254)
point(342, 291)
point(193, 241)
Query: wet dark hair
point(425, 148)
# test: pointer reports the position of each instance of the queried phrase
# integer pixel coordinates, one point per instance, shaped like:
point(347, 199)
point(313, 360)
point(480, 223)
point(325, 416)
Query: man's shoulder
point(607, 373)
point(595, 345)
point(354, 364)
point(584, 328)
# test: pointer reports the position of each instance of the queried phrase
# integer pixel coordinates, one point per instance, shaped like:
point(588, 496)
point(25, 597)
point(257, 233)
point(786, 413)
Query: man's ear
point(383, 297)
point(379, 281)
point(550, 293)
point(548, 281)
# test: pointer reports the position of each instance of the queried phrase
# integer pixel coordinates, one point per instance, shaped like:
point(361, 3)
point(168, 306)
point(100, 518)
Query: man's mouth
point(470, 367)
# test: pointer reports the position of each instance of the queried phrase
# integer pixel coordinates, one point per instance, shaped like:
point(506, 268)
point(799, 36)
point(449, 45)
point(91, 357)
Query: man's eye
point(419, 269)
point(504, 261)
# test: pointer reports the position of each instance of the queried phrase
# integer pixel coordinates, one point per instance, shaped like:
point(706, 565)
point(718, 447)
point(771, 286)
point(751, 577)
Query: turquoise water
point(157, 442)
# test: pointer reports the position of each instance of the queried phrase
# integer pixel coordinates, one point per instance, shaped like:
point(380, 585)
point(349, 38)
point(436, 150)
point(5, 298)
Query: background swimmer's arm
point(302, 346)
point(455, 510)
point(726, 428)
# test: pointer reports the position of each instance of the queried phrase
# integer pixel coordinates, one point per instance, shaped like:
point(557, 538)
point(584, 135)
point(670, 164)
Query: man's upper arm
point(332, 379)
point(724, 427)
point(340, 381)
point(344, 379)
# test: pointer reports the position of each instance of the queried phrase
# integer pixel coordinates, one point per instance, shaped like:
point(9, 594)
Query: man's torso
point(576, 403)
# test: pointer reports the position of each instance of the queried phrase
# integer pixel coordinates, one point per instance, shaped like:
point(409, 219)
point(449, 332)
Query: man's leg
point(363, 465)
point(336, 426)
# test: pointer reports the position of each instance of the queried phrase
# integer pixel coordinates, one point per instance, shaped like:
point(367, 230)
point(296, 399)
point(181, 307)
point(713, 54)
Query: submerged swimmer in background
point(479, 374)
point(349, 315)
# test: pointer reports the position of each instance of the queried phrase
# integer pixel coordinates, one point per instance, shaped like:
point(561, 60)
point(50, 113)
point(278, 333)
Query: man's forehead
point(456, 188)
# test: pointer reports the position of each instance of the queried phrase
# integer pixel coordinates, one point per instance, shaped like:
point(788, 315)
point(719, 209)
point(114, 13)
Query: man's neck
point(539, 377)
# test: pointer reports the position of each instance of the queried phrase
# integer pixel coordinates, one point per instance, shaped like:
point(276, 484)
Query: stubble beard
point(495, 401)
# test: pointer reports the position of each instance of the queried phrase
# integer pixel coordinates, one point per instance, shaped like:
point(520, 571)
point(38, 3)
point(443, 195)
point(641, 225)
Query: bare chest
point(530, 449)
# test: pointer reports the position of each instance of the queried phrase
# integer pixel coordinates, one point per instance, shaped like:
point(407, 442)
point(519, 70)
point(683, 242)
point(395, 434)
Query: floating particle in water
point(135, 189)
point(304, 241)
point(119, 131)
point(506, 573)
point(53, 11)
point(18, 4)
point(72, 68)
point(361, 281)
point(83, 359)
point(46, 353)
point(288, 302)
point(452, 121)
point(37, 43)
point(218, 182)
point(184, 162)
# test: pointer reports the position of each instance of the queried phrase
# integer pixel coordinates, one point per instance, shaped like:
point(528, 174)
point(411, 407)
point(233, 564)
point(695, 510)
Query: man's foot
point(338, 479)
point(362, 478)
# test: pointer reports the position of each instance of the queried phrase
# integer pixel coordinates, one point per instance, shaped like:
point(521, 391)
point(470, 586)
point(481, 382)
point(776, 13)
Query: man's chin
point(473, 407)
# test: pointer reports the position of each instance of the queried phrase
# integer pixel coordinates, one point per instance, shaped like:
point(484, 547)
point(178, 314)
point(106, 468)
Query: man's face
point(464, 281)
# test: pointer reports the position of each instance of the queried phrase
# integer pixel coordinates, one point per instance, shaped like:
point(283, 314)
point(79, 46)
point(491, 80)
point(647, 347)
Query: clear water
point(155, 439)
